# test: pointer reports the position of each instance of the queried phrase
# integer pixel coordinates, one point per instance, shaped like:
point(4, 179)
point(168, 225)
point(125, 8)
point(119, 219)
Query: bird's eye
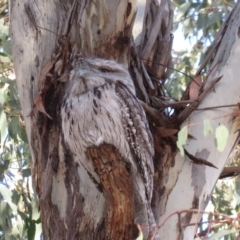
point(104, 69)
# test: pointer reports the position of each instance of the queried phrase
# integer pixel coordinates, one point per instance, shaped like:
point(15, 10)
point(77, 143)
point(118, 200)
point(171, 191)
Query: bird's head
point(95, 71)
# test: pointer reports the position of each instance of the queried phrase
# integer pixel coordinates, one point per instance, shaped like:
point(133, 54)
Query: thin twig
point(194, 211)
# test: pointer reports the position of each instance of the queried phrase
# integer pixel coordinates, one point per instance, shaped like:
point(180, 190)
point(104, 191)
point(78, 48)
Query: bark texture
point(44, 33)
point(117, 188)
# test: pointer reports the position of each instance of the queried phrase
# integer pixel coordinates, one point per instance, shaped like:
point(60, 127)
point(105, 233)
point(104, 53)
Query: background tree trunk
point(44, 32)
point(190, 186)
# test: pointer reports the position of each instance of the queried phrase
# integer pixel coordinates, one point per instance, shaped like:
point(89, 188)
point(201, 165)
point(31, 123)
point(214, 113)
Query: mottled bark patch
point(116, 181)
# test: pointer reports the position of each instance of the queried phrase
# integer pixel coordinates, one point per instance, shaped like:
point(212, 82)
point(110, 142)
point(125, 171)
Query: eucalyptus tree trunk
point(44, 35)
point(190, 186)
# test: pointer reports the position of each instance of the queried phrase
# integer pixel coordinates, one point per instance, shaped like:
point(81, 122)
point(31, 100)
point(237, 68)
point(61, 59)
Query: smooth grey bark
point(190, 186)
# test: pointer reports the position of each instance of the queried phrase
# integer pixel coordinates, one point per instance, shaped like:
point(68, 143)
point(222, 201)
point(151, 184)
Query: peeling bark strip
point(116, 182)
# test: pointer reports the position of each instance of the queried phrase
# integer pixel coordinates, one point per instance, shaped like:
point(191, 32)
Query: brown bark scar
point(116, 182)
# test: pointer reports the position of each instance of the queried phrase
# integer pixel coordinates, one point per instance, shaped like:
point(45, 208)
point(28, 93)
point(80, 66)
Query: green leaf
point(13, 128)
point(5, 80)
point(184, 8)
point(7, 47)
point(201, 21)
point(3, 27)
point(15, 196)
point(22, 134)
point(207, 127)
point(22, 215)
point(3, 54)
point(3, 36)
point(26, 172)
point(5, 59)
point(31, 229)
point(182, 139)
point(221, 137)
point(3, 213)
point(7, 195)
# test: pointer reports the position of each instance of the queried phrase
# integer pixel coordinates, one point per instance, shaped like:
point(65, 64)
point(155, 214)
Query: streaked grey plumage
point(100, 106)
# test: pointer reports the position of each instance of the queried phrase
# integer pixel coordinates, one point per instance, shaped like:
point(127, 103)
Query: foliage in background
point(198, 20)
point(222, 219)
point(226, 199)
point(19, 216)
